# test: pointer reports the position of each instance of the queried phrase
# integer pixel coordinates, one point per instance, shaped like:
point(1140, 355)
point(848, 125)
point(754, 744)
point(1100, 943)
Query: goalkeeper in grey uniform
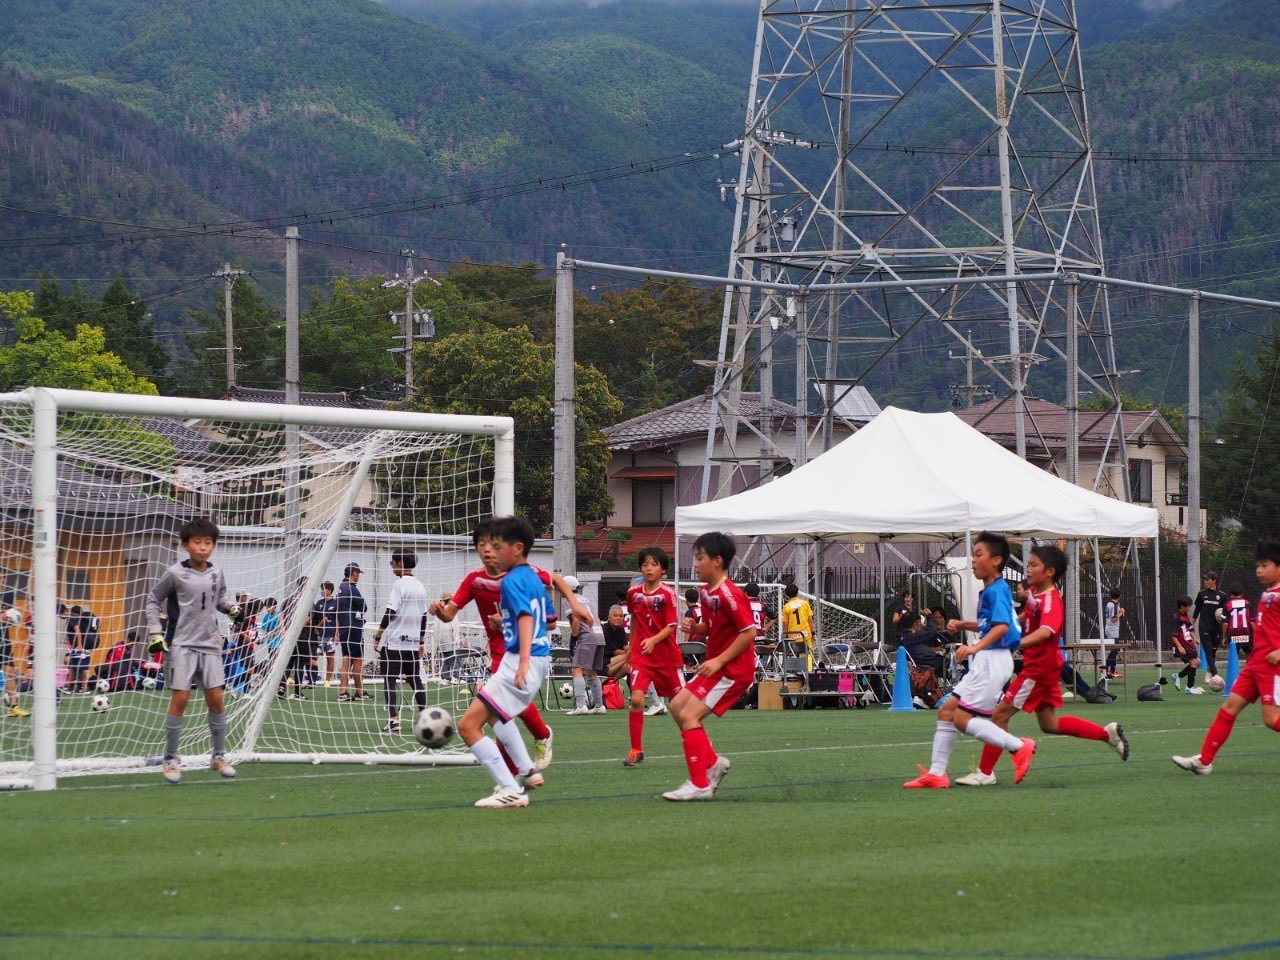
point(192, 592)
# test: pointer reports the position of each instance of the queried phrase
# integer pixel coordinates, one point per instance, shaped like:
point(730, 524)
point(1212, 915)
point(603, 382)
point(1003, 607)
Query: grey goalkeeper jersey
point(192, 599)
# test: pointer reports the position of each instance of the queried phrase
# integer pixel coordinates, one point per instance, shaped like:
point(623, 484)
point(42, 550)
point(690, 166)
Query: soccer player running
point(724, 676)
point(524, 604)
point(977, 694)
point(1037, 689)
point(654, 654)
point(191, 593)
point(484, 588)
point(1260, 676)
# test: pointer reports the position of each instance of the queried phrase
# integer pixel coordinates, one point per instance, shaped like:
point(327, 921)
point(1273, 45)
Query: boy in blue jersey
point(514, 685)
point(975, 697)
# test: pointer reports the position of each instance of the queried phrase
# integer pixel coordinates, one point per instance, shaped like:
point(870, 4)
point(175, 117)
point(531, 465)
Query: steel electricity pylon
point(903, 140)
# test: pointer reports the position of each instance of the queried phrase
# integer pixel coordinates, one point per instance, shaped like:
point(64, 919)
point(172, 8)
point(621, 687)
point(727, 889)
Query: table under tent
point(925, 477)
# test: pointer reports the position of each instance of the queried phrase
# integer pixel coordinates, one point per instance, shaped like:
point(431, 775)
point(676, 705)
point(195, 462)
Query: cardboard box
point(769, 695)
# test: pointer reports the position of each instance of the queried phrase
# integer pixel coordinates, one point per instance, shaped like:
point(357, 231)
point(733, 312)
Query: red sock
point(697, 748)
point(534, 723)
point(635, 724)
point(507, 760)
point(1079, 727)
point(990, 757)
point(1219, 730)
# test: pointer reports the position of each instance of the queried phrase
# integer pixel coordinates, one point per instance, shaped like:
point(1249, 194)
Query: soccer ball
point(101, 704)
point(1220, 615)
point(149, 683)
point(13, 616)
point(566, 690)
point(103, 686)
point(433, 727)
point(1215, 682)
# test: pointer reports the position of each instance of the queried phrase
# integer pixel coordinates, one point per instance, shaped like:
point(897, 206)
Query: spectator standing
point(327, 639)
point(797, 624)
point(82, 638)
point(350, 615)
point(1112, 614)
point(588, 660)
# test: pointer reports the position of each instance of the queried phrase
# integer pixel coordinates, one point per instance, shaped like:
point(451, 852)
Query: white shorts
point(500, 693)
point(980, 689)
point(186, 668)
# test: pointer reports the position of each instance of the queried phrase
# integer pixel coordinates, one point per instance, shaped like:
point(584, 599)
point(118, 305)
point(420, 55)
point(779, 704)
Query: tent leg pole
point(880, 555)
point(1159, 631)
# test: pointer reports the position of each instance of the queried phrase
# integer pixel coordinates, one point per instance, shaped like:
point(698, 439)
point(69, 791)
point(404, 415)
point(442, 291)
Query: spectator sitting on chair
point(797, 623)
point(117, 669)
point(924, 647)
point(906, 618)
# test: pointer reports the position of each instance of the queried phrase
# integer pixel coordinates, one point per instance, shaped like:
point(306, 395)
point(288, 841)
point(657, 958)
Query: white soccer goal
point(96, 487)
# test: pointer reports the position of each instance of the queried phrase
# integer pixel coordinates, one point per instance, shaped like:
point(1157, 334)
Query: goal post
point(97, 486)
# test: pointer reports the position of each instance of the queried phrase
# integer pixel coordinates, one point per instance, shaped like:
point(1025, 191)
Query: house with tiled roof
point(1157, 454)
point(656, 464)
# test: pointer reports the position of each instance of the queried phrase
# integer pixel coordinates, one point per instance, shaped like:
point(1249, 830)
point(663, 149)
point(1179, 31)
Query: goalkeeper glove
point(157, 644)
point(234, 613)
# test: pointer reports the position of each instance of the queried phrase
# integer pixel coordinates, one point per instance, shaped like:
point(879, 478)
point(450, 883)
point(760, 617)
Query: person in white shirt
point(404, 624)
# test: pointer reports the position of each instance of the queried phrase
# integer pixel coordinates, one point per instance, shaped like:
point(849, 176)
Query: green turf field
point(811, 849)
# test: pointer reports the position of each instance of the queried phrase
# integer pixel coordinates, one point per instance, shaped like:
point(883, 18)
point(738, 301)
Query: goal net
point(97, 487)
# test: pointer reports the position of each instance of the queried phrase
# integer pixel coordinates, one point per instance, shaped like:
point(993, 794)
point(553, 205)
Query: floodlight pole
point(564, 465)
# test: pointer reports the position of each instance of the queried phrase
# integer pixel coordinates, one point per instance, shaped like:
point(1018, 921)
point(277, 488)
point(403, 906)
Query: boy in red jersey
point(484, 586)
point(727, 672)
point(654, 654)
point(1037, 689)
point(1239, 629)
point(1260, 677)
point(1185, 647)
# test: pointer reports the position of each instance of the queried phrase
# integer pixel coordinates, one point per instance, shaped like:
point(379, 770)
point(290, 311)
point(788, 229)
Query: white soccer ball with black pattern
point(433, 727)
point(1216, 683)
point(101, 704)
point(566, 691)
point(148, 683)
point(103, 686)
point(13, 616)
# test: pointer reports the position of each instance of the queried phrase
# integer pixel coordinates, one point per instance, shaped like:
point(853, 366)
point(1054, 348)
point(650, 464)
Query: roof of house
point(331, 437)
point(1046, 426)
point(690, 418)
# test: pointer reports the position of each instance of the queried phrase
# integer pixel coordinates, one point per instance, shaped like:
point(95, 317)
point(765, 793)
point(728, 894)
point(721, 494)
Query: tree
point(259, 342)
point(122, 315)
point(510, 373)
point(1238, 464)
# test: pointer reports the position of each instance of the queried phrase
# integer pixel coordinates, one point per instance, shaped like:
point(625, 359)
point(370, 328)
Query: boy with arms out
point(484, 587)
point(507, 694)
point(976, 695)
point(1260, 677)
point(654, 653)
point(191, 593)
point(727, 672)
point(1037, 688)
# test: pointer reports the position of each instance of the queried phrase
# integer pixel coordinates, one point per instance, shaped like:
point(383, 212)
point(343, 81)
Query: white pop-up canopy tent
point(919, 476)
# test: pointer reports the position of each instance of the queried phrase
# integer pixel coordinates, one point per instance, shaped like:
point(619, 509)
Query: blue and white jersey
point(523, 594)
point(995, 606)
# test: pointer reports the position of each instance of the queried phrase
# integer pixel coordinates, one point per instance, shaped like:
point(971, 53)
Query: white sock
point(580, 692)
point(988, 732)
point(509, 734)
point(944, 738)
point(486, 751)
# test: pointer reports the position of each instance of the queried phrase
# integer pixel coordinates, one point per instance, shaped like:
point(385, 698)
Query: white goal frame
point(47, 403)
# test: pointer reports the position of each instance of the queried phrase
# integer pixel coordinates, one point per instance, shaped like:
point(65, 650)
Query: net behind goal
point(96, 487)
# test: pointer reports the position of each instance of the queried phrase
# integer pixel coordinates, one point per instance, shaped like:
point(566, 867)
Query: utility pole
point(1194, 534)
point(229, 278)
point(292, 396)
point(1072, 282)
point(409, 318)
point(564, 509)
point(970, 389)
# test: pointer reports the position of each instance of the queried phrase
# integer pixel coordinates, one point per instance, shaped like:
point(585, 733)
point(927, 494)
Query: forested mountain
point(125, 112)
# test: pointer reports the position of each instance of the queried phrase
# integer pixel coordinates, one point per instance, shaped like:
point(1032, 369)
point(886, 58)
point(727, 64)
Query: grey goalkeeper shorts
point(587, 654)
point(185, 668)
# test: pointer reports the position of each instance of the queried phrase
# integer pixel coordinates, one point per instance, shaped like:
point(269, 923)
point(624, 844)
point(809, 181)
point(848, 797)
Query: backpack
point(611, 694)
point(924, 684)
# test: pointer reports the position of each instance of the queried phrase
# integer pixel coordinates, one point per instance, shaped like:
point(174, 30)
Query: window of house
point(15, 582)
point(1140, 480)
point(653, 502)
point(76, 582)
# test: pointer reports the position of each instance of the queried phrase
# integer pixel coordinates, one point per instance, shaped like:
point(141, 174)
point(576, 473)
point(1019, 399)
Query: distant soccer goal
point(96, 488)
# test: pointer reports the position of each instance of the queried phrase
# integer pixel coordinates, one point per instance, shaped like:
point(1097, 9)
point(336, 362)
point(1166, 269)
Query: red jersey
point(1237, 609)
point(726, 612)
point(1044, 659)
point(1266, 626)
point(651, 613)
point(1184, 633)
point(486, 590)
point(759, 612)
